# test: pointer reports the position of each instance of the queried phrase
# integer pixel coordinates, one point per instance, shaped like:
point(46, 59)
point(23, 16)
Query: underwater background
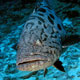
point(13, 15)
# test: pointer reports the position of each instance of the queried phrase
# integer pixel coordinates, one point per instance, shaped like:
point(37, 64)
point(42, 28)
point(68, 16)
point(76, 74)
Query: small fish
point(40, 44)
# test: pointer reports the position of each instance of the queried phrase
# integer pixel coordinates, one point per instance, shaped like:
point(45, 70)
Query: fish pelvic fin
point(58, 65)
point(45, 71)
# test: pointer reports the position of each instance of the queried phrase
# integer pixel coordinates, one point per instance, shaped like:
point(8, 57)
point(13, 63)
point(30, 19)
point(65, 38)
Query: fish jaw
point(34, 63)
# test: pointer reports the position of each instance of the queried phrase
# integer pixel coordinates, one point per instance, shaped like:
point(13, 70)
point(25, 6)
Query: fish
point(41, 40)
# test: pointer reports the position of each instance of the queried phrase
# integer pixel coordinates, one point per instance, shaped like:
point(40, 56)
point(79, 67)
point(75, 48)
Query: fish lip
point(31, 59)
point(33, 63)
point(33, 66)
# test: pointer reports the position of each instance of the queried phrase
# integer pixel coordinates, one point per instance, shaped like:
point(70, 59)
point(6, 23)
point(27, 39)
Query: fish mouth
point(30, 62)
point(33, 63)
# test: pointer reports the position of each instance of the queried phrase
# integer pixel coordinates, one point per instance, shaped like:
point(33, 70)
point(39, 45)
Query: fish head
point(34, 53)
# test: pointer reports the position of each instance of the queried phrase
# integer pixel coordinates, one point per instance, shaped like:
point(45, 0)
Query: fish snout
point(33, 62)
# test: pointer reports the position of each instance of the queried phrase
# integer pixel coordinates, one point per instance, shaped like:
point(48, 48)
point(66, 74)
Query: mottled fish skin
point(40, 42)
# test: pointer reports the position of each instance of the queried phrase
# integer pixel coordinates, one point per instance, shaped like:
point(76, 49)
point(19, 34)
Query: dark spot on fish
point(51, 51)
point(52, 36)
point(55, 36)
point(45, 26)
point(51, 46)
point(40, 41)
point(39, 22)
point(46, 35)
point(55, 42)
point(30, 23)
point(42, 10)
point(42, 31)
point(57, 31)
point(50, 20)
point(45, 38)
point(52, 32)
point(54, 47)
point(41, 19)
point(59, 27)
point(37, 26)
point(54, 51)
point(62, 24)
point(51, 16)
point(40, 14)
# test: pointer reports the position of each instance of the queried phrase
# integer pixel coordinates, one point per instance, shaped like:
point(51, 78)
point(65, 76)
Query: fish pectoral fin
point(70, 40)
point(58, 65)
point(45, 71)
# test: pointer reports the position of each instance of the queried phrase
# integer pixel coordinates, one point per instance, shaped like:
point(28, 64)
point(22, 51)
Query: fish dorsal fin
point(45, 71)
point(58, 65)
point(70, 40)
